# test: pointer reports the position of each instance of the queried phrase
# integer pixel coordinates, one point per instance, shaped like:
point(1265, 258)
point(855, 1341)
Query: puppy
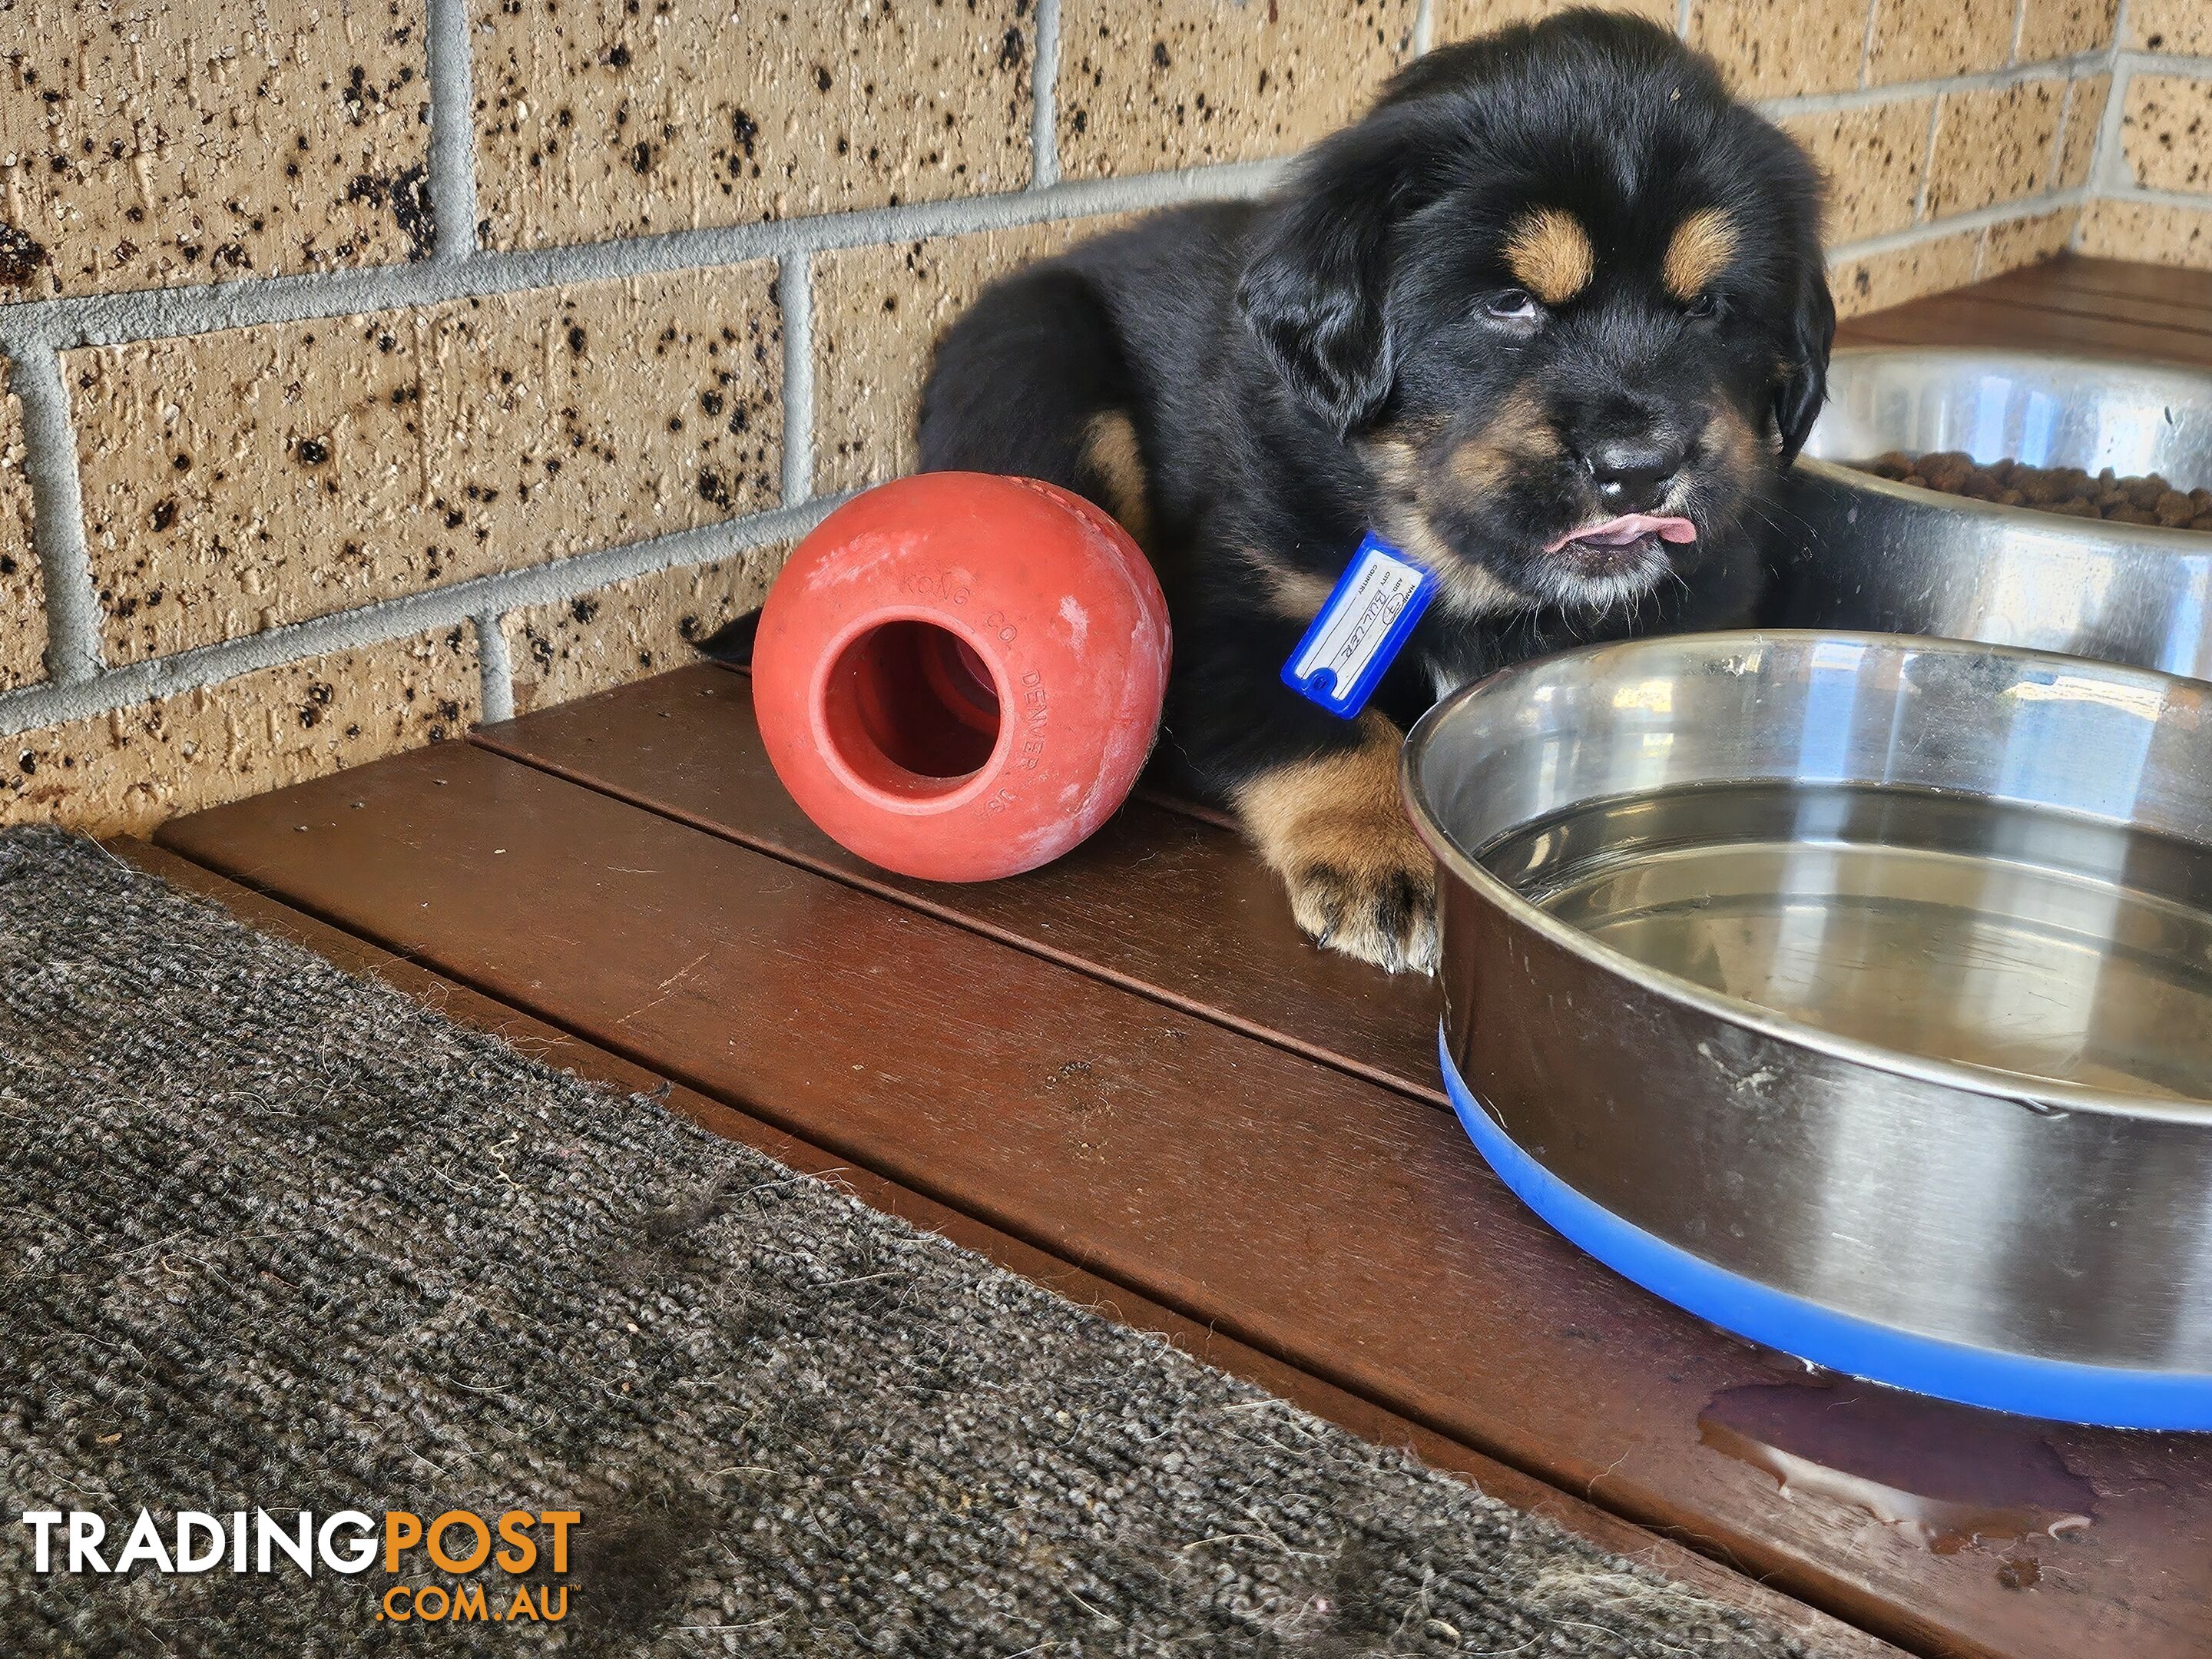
point(1551, 318)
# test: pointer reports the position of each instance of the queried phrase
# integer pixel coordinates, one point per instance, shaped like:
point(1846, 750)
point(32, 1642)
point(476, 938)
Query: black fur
point(1299, 369)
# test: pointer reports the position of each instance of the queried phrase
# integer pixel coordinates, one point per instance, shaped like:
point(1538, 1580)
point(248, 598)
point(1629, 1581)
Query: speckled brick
point(1996, 144)
point(2085, 120)
point(2060, 28)
point(2175, 26)
point(1461, 20)
point(1873, 157)
point(1918, 40)
point(1782, 48)
point(623, 632)
point(598, 118)
point(2146, 230)
point(237, 481)
point(2165, 132)
point(1149, 84)
point(22, 608)
point(2027, 241)
point(878, 312)
point(185, 141)
point(123, 772)
point(1881, 280)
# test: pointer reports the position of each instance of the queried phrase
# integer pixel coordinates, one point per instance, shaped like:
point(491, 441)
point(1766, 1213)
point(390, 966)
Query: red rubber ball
point(959, 676)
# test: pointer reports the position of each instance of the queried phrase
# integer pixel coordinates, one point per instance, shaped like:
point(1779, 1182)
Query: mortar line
point(2187, 64)
point(1682, 19)
point(2027, 207)
point(2053, 175)
point(1044, 99)
point(2145, 194)
point(2019, 29)
point(795, 296)
point(2108, 167)
point(495, 665)
point(1821, 103)
point(1928, 161)
point(39, 706)
point(1866, 43)
point(452, 131)
point(159, 313)
point(1424, 27)
point(74, 655)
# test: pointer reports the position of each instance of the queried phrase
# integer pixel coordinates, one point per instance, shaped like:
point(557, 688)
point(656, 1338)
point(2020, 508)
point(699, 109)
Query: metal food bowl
point(1853, 992)
point(1852, 550)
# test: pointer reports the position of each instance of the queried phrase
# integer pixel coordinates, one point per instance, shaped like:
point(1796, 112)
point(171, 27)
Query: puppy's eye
point(1705, 305)
point(1512, 305)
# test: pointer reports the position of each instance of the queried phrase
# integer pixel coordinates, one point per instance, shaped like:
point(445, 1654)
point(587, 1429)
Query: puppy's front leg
point(1333, 826)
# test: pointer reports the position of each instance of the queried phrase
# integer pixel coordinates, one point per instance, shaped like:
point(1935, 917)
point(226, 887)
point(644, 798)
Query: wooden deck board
point(1970, 318)
point(1343, 1229)
point(685, 745)
point(2122, 279)
point(2091, 306)
point(2049, 306)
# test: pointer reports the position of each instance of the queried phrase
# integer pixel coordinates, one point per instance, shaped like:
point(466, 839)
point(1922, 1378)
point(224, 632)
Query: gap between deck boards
point(1415, 1081)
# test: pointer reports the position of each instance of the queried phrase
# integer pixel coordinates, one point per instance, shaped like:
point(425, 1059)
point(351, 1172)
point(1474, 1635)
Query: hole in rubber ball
point(911, 709)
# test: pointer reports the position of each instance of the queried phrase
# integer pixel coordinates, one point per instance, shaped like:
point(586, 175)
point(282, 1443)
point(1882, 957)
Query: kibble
point(2068, 490)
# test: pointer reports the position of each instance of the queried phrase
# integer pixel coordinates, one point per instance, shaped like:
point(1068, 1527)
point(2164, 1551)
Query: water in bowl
point(1951, 926)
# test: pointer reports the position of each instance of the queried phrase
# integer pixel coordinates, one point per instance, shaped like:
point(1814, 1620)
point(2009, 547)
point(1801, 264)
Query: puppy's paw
point(1360, 881)
point(1385, 914)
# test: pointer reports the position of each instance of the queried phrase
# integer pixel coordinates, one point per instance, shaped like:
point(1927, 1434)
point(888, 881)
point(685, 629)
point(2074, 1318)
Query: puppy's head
point(1565, 298)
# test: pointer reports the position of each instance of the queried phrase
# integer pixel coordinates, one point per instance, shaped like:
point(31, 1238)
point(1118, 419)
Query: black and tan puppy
point(1550, 318)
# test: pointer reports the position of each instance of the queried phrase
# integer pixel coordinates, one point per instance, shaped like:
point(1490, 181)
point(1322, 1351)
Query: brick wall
point(2154, 181)
point(377, 368)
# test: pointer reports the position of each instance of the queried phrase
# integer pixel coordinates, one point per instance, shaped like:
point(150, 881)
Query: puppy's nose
point(1631, 474)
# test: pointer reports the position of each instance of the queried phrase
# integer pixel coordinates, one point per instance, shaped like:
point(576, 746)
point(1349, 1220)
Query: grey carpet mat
point(275, 1237)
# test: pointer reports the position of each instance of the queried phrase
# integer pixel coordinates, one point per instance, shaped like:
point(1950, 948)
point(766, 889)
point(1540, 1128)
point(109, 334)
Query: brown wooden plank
point(1156, 901)
point(559, 1048)
point(1341, 1227)
point(2020, 291)
point(2123, 279)
point(1967, 319)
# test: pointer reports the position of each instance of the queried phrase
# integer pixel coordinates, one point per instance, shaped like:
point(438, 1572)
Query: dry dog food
point(2065, 490)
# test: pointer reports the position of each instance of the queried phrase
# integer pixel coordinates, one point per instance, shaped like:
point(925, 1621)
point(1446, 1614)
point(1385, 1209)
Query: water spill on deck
point(1944, 1476)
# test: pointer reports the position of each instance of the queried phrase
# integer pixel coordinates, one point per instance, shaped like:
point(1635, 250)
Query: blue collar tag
point(1375, 603)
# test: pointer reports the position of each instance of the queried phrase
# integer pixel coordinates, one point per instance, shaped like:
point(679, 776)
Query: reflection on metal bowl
point(1852, 550)
point(1853, 991)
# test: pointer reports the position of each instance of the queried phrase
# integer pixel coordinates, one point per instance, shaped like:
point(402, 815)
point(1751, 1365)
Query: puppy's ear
point(1314, 285)
point(1804, 385)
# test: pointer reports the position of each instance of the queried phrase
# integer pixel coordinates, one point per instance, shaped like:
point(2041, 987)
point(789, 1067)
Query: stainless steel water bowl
point(1875, 970)
point(1852, 550)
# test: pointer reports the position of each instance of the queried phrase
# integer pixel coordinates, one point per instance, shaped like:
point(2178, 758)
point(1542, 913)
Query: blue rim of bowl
point(2062, 1391)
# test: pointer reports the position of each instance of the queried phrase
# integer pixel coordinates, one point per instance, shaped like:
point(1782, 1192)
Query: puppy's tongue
point(1618, 532)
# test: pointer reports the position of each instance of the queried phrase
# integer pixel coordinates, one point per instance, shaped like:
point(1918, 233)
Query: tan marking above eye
point(1549, 254)
point(1700, 251)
